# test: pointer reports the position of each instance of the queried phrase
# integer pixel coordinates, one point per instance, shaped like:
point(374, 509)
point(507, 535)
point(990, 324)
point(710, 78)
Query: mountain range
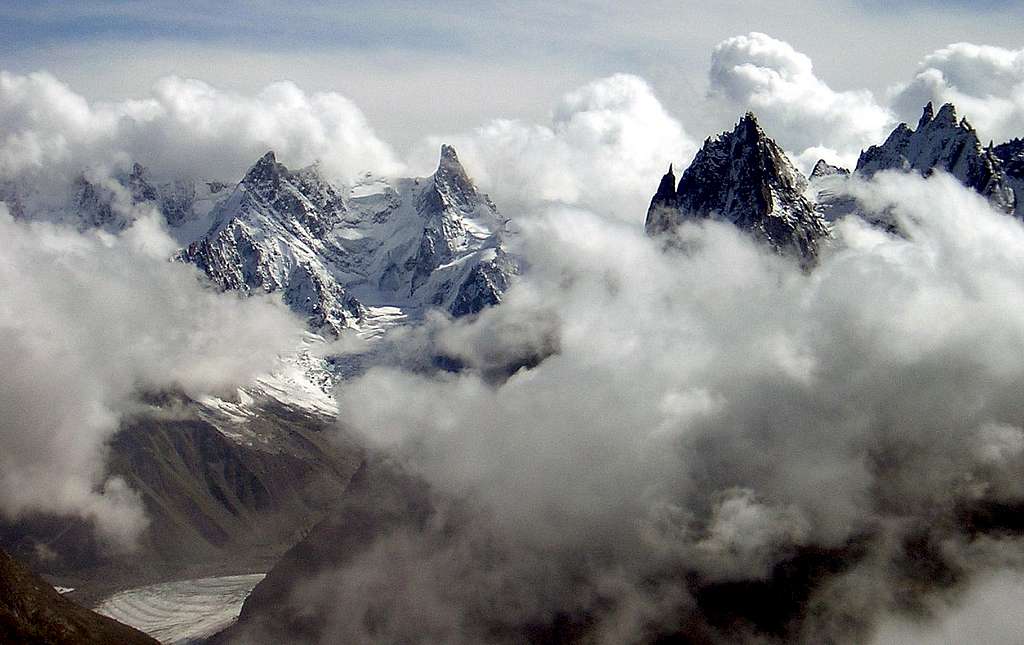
point(745, 178)
point(251, 479)
point(337, 254)
point(742, 177)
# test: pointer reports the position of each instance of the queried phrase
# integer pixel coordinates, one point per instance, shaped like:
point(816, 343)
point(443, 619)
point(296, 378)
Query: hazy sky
point(419, 68)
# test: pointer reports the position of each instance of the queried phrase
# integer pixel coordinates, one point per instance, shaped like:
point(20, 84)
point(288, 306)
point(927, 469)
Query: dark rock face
point(179, 200)
point(379, 499)
point(940, 142)
point(665, 203)
point(1011, 154)
point(33, 613)
point(95, 206)
point(484, 285)
point(825, 169)
point(743, 177)
point(452, 186)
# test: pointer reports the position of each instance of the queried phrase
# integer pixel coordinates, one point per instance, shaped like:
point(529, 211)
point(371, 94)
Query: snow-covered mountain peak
point(941, 142)
point(451, 185)
point(265, 170)
point(338, 255)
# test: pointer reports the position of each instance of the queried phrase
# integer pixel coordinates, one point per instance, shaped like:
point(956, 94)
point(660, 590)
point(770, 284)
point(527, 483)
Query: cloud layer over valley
point(89, 322)
point(710, 416)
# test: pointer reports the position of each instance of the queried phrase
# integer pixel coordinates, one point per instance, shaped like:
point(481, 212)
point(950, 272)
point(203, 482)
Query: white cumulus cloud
point(88, 321)
point(797, 108)
point(183, 127)
point(985, 83)
point(607, 145)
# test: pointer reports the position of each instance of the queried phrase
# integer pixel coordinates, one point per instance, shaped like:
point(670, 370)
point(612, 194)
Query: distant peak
point(946, 116)
point(452, 180)
point(667, 188)
point(926, 116)
point(449, 163)
point(825, 169)
point(266, 168)
point(749, 120)
point(745, 178)
point(748, 128)
point(448, 152)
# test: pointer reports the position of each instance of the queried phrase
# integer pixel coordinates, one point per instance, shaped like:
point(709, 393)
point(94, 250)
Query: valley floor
point(182, 611)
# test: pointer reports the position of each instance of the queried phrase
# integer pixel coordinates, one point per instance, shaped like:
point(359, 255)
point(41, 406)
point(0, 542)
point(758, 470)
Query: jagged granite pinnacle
point(451, 182)
point(266, 169)
point(743, 177)
point(941, 142)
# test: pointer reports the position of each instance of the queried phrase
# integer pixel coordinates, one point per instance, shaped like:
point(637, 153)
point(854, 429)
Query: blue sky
point(452, 64)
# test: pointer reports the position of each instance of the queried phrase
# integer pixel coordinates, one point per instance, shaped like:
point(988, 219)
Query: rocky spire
point(744, 177)
point(138, 183)
point(946, 118)
point(825, 169)
point(666, 189)
point(266, 169)
point(664, 207)
point(452, 183)
point(926, 116)
point(942, 142)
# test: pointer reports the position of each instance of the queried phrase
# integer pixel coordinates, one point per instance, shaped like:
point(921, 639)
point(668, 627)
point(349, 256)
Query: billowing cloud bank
point(986, 83)
point(88, 321)
point(710, 417)
point(605, 142)
point(607, 139)
point(807, 116)
point(185, 127)
point(810, 119)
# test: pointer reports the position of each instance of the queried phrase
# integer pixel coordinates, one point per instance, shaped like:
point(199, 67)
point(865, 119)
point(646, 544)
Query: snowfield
point(182, 611)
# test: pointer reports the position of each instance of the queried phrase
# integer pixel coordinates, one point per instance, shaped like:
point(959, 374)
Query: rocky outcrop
point(32, 612)
point(825, 169)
